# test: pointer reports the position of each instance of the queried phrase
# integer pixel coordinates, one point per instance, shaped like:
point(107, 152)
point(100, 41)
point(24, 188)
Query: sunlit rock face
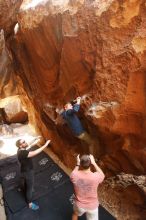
point(12, 110)
point(96, 50)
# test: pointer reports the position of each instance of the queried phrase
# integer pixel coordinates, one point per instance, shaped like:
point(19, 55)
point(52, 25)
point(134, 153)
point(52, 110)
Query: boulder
point(14, 112)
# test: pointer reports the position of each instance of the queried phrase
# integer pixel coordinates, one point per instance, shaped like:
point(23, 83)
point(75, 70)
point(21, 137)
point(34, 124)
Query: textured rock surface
point(89, 48)
point(95, 49)
point(8, 14)
point(8, 83)
point(126, 194)
point(13, 110)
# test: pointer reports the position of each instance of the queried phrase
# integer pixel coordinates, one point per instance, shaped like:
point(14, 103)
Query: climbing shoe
point(34, 206)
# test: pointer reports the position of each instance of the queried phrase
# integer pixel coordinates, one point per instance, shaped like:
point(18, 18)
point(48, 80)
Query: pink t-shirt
point(85, 186)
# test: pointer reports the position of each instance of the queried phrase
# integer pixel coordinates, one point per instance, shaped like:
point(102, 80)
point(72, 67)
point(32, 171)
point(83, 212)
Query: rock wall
point(13, 99)
point(96, 50)
point(8, 19)
point(8, 15)
point(8, 83)
point(89, 48)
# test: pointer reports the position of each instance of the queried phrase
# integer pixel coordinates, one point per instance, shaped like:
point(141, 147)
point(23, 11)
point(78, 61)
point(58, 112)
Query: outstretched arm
point(78, 100)
point(76, 106)
point(35, 152)
point(77, 163)
point(97, 168)
point(34, 142)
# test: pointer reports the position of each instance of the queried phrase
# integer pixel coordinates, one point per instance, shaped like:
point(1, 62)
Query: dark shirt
point(25, 161)
point(73, 120)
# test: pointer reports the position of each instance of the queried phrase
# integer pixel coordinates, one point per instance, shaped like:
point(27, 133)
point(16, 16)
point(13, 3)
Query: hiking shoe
point(34, 206)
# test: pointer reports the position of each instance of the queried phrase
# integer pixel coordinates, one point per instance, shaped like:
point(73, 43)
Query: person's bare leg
point(74, 216)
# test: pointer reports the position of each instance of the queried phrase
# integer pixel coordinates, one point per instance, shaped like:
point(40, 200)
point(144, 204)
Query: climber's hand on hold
point(78, 99)
point(78, 160)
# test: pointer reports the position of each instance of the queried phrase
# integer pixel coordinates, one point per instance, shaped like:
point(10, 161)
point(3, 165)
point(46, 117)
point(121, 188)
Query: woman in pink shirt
point(85, 184)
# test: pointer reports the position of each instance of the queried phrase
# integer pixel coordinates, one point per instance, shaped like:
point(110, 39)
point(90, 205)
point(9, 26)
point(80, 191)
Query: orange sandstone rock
point(96, 50)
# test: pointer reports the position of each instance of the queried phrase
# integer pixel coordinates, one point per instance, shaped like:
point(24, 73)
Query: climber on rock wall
point(74, 123)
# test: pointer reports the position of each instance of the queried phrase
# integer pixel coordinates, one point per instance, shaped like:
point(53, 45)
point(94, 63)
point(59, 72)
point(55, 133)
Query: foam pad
point(23, 214)
point(2, 209)
point(9, 173)
point(15, 200)
point(41, 162)
point(53, 192)
point(48, 180)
